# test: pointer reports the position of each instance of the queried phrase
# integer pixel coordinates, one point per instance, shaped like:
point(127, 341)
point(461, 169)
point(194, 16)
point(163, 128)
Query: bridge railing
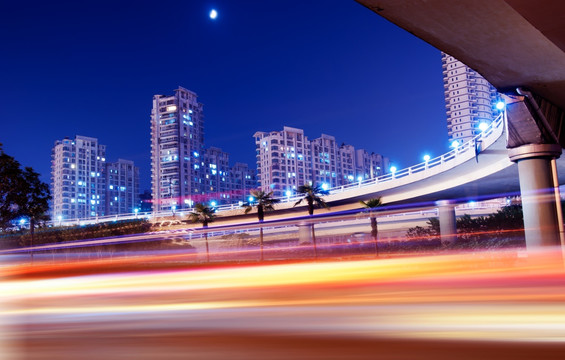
point(463, 152)
point(448, 160)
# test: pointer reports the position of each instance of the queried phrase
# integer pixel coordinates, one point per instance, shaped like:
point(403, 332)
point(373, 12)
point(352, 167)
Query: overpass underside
point(519, 47)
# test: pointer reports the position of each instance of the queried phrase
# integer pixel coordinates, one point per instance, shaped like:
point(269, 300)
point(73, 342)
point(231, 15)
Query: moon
point(213, 14)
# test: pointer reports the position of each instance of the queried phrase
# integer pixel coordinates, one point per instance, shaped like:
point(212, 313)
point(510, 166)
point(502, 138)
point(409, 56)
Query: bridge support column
point(447, 222)
point(538, 196)
point(304, 233)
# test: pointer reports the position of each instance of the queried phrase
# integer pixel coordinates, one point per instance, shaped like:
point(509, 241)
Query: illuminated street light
point(251, 198)
point(136, 211)
point(455, 144)
point(500, 105)
point(483, 126)
point(426, 158)
point(325, 186)
point(213, 203)
point(393, 169)
point(288, 193)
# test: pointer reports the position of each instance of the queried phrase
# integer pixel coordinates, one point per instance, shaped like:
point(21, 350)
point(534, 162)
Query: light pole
point(426, 159)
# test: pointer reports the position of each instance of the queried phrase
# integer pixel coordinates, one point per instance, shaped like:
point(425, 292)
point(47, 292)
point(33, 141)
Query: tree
point(22, 194)
point(310, 194)
point(33, 200)
point(372, 204)
point(204, 215)
point(10, 180)
point(263, 202)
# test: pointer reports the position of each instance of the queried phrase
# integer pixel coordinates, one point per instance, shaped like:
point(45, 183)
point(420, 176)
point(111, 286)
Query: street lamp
point(325, 186)
point(500, 105)
point(136, 211)
point(483, 126)
point(426, 158)
point(60, 218)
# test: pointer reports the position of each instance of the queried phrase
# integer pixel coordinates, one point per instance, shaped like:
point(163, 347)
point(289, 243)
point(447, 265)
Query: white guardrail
point(461, 153)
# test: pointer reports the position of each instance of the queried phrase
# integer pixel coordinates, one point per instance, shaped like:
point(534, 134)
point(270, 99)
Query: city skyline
point(331, 67)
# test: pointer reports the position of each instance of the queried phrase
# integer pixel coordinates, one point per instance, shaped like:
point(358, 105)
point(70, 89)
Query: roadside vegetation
point(504, 228)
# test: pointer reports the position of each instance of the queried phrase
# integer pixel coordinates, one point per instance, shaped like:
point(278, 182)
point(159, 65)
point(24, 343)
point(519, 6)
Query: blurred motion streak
point(485, 297)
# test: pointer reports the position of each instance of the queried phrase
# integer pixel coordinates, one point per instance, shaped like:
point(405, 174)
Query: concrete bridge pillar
point(537, 191)
point(304, 233)
point(447, 221)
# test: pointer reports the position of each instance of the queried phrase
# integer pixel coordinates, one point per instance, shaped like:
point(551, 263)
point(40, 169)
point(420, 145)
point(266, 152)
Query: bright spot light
point(213, 203)
point(22, 221)
point(500, 105)
point(325, 186)
point(426, 158)
point(288, 193)
point(136, 210)
point(251, 199)
point(393, 169)
point(455, 144)
point(483, 126)
point(213, 14)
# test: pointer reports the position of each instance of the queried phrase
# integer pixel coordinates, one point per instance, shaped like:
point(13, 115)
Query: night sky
point(91, 68)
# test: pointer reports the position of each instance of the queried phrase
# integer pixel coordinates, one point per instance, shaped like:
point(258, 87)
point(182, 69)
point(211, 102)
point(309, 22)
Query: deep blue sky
point(91, 68)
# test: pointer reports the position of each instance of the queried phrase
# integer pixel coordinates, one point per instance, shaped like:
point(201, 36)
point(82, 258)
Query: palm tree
point(204, 215)
point(263, 202)
point(371, 204)
point(310, 194)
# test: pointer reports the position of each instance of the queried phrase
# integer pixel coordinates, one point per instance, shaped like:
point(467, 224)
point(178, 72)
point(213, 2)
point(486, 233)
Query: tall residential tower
point(183, 171)
point(469, 99)
point(177, 145)
point(78, 180)
point(287, 159)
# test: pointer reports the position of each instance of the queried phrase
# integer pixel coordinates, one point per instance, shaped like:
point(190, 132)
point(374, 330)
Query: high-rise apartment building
point(469, 99)
point(84, 185)
point(217, 180)
point(243, 180)
point(78, 180)
point(287, 159)
point(183, 171)
point(177, 145)
point(122, 187)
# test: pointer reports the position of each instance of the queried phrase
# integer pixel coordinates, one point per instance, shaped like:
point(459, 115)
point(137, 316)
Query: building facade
point(243, 179)
point(122, 187)
point(287, 159)
point(183, 171)
point(469, 99)
point(177, 145)
point(78, 179)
